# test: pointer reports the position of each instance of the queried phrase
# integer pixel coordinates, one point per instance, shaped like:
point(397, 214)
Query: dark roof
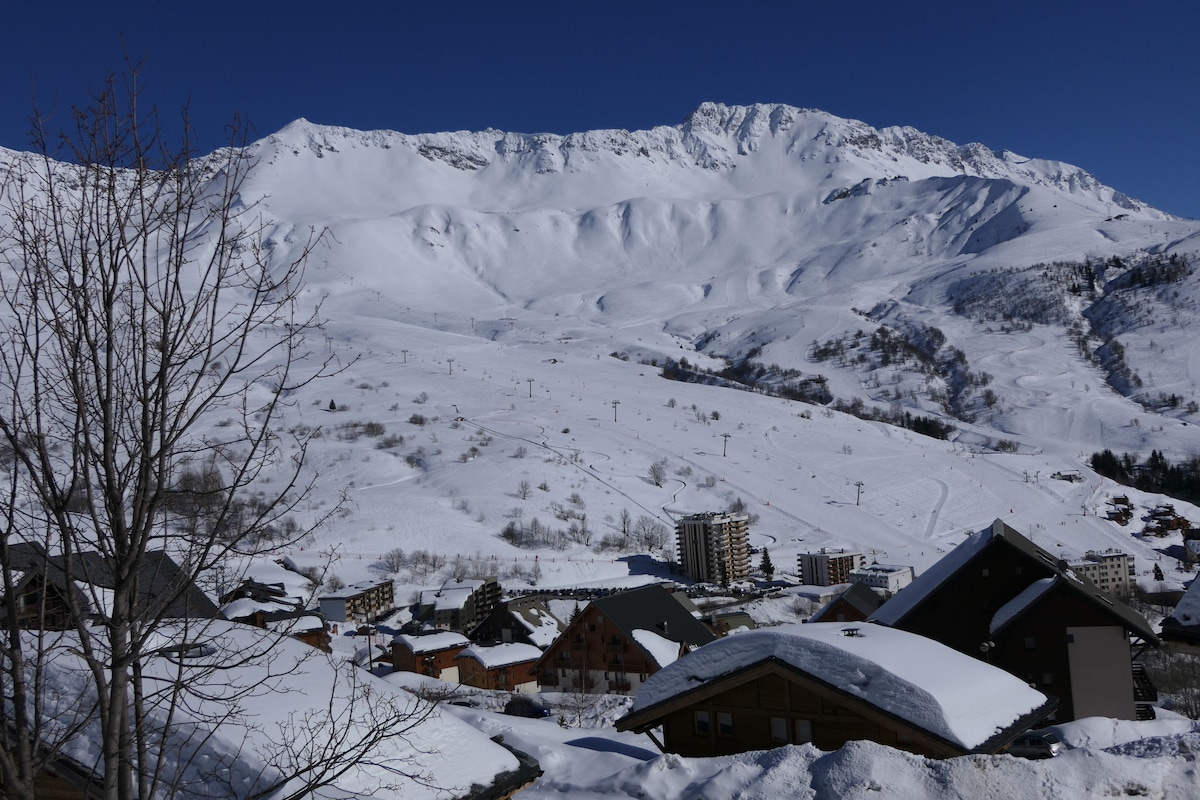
point(26, 556)
point(1184, 623)
point(163, 590)
point(999, 534)
point(859, 596)
point(653, 608)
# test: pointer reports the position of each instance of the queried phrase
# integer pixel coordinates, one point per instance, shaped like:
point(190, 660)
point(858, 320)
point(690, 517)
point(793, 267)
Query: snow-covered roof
point(446, 599)
point(299, 623)
point(269, 708)
point(543, 627)
point(923, 585)
point(951, 695)
point(895, 610)
point(1019, 603)
point(662, 650)
point(502, 655)
point(245, 606)
point(432, 642)
point(1187, 611)
point(1185, 619)
point(884, 569)
point(463, 583)
point(353, 589)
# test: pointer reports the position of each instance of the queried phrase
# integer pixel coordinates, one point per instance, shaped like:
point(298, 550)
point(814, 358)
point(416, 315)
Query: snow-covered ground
point(1109, 758)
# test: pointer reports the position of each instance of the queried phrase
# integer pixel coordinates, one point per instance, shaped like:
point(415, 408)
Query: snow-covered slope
point(482, 283)
point(503, 304)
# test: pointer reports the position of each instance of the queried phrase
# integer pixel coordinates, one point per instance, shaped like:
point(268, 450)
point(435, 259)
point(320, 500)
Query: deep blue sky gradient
point(1113, 87)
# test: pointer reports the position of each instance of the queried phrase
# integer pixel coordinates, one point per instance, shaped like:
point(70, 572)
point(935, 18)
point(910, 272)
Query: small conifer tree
point(765, 566)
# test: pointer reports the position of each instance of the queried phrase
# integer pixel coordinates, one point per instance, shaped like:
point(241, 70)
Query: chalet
point(616, 642)
point(433, 654)
point(828, 684)
point(505, 667)
point(291, 620)
point(52, 591)
point(724, 622)
point(268, 605)
point(527, 620)
point(460, 604)
point(1002, 599)
point(359, 603)
point(855, 604)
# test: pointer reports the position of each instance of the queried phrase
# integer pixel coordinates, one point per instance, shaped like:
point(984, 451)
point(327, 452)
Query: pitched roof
point(655, 609)
point(535, 616)
point(431, 642)
point(163, 589)
point(501, 655)
point(958, 699)
point(1184, 622)
point(1000, 535)
point(859, 596)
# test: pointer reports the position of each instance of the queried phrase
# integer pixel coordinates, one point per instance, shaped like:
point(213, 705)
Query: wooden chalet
point(1000, 598)
point(433, 654)
point(855, 604)
point(505, 667)
point(828, 684)
point(616, 642)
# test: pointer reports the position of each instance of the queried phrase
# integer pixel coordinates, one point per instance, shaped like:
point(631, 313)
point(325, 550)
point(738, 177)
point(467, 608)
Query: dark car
point(1036, 745)
point(522, 706)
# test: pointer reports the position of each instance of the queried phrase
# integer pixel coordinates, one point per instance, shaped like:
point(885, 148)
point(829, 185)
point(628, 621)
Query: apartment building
point(829, 566)
point(714, 547)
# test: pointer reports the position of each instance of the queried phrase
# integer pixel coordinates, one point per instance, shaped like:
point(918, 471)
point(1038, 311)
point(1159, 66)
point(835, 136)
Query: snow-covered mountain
point(878, 271)
point(504, 305)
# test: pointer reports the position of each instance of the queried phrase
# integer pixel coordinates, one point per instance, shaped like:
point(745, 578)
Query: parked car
point(1037, 745)
point(522, 706)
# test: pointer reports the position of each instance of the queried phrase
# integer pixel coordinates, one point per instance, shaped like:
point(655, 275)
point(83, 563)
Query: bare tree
point(140, 300)
point(658, 472)
point(651, 533)
point(395, 560)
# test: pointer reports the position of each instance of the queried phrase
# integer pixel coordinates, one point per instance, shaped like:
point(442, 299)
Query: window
point(984, 572)
point(1030, 643)
point(700, 722)
point(724, 723)
point(779, 729)
point(1047, 678)
point(803, 731)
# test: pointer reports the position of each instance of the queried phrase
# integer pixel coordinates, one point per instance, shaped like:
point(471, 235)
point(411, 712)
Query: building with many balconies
point(714, 547)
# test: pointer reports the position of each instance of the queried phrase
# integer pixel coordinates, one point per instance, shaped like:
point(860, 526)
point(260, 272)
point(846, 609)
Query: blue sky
point(1111, 87)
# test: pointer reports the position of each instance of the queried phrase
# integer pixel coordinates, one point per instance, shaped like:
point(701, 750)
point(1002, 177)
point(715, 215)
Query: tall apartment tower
point(714, 547)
